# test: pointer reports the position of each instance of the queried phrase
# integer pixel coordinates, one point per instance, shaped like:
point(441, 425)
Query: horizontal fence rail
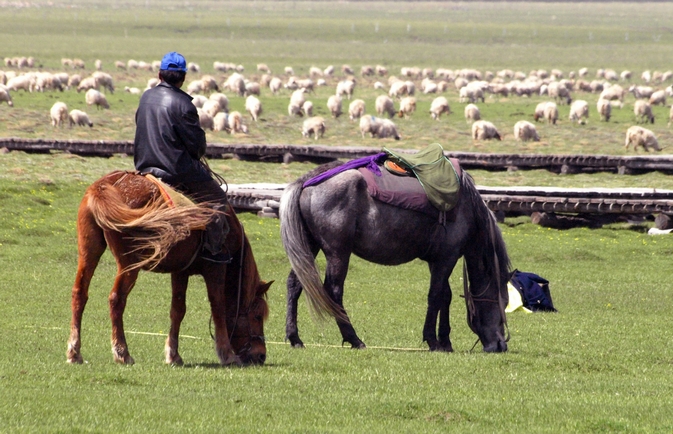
point(264, 199)
point(627, 164)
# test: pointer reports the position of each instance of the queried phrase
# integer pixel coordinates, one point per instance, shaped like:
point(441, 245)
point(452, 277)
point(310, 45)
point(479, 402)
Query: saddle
point(172, 197)
point(439, 176)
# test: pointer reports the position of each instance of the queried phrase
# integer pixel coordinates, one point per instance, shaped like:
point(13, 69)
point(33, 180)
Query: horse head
point(246, 327)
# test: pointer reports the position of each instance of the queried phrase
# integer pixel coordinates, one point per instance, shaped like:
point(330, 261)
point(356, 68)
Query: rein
point(233, 334)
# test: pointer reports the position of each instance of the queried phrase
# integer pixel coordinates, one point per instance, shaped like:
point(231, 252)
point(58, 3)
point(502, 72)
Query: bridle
point(232, 334)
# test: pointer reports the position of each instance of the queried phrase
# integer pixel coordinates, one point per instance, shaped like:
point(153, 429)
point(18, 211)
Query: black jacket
point(169, 141)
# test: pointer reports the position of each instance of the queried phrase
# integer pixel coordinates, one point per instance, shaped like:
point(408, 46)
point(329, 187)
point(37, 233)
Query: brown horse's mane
point(154, 227)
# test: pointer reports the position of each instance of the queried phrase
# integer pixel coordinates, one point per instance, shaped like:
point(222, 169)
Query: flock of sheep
point(397, 98)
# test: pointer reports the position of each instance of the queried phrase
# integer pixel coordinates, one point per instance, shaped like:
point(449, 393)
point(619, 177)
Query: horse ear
point(264, 286)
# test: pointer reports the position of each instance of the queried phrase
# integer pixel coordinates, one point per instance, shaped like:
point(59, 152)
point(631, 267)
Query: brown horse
point(128, 213)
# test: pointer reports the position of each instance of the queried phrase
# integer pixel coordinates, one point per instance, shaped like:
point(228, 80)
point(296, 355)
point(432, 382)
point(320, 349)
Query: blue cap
point(173, 61)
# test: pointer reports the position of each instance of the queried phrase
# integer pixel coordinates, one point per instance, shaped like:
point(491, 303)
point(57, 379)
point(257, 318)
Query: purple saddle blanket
point(400, 191)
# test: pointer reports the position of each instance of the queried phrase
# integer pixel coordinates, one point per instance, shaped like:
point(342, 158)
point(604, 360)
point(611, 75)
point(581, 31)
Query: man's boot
point(213, 240)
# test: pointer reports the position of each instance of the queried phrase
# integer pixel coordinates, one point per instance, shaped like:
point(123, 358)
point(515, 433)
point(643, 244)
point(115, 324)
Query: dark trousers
point(212, 193)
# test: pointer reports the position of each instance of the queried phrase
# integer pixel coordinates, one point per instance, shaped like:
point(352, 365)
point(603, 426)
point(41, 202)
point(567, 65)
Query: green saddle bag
point(435, 172)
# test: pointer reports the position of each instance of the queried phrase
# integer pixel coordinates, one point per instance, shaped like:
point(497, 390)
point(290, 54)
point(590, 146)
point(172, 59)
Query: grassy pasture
point(602, 364)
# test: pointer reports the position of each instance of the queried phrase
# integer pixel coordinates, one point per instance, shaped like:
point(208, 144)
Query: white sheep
point(297, 100)
point(79, 118)
point(235, 83)
point(209, 84)
point(253, 106)
point(59, 114)
point(643, 111)
point(579, 111)
point(313, 125)
point(658, 97)
point(471, 93)
point(288, 70)
point(199, 100)
point(275, 84)
point(252, 88)
point(345, 87)
point(221, 99)
point(407, 106)
point(411, 88)
point(384, 104)
point(229, 122)
point(613, 93)
point(132, 90)
point(525, 131)
point(86, 84)
point(398, 89)
point(94, 97)
point(559, 92)
point(429, 86)
point(439, 106)
point(263, 67)
point(472, 113)
point(670, 116)
point(377, 127)
point(120, 65)
point(24, 82)
point(641, 91)
point(211, 107)
point(152, 82)
point(334, 105)
point(626, 75)
point(316, 72)
point(604, 109)
point(105, 80)
point(484, 130)
point(307, 108)
point(194, 87)
point(356, 109)
point(191, 66)
point(381, 71)
point(205, 120)
point(640, 136)
point(5, 96)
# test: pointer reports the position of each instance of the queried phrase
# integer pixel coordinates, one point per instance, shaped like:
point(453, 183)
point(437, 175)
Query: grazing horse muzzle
point(254, 353)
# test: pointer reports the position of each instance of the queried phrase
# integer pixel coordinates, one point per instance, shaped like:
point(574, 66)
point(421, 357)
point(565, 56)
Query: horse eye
point(258, 318)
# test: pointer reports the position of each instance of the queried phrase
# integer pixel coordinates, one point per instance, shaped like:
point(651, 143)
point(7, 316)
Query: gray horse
point(339, 217)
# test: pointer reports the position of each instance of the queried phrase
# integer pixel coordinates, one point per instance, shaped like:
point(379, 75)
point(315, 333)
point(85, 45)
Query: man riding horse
point(170, 144)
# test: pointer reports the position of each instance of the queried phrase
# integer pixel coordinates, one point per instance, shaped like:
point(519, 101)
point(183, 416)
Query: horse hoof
point(176, 361)
point(359, 346)
point(125, 360)
point(75, 360)
point(298, 345)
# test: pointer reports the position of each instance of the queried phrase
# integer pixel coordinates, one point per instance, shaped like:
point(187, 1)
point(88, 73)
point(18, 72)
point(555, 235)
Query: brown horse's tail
point(154, 227)
point(296, 240)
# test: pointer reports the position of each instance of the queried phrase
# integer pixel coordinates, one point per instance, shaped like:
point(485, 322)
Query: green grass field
point(601, 364)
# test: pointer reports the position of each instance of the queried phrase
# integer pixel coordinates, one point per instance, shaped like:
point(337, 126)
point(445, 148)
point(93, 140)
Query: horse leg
point(117, 300)
point(439, 300)
point(335, 276)
point(179, 283)
point(91, 245)
point(215, 281)
point(294, 290)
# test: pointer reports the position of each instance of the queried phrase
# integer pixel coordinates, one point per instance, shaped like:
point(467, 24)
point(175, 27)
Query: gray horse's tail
point(297, 242)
